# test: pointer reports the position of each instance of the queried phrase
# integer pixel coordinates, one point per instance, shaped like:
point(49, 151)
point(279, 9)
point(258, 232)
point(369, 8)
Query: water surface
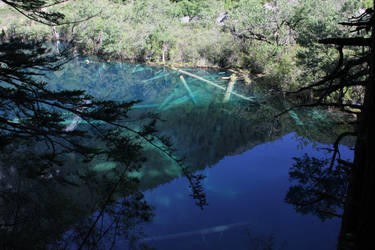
point(242, 147)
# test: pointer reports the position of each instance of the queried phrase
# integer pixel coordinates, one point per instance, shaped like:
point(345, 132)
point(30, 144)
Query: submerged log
point(71, 127)
point(166, 100)
point(198, 77)
point(176, 102)
point(77, 119)
point(57, 39)
point(205, 231)
point(212, 83)
point(224, 77)
point(229, 89)
point(155, 77)
point(188, 89)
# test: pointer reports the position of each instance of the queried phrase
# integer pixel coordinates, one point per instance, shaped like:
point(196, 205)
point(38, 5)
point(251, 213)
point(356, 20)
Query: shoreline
point(83, 50)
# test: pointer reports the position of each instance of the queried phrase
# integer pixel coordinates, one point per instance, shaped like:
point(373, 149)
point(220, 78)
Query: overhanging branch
point(352, 41)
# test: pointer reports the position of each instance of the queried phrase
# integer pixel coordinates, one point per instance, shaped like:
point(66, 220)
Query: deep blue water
point(248, 188)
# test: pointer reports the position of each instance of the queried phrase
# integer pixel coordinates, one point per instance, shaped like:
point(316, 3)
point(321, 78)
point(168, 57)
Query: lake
point(240, 143)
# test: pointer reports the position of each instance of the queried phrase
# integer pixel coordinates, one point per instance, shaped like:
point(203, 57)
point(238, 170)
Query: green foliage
point(367, 3)
point(188, 8)
point(274, 38)
point(159, 42)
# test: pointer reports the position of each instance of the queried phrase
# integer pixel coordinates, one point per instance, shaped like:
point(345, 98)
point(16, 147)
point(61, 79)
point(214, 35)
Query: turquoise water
point(241, 146)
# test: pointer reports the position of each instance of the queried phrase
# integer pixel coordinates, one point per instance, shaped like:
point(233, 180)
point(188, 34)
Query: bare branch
point(336, 147)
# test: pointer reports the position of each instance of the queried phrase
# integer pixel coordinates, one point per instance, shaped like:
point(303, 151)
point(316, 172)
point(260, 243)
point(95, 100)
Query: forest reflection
point(318, 188)
point(68, 212)
point(89, 204)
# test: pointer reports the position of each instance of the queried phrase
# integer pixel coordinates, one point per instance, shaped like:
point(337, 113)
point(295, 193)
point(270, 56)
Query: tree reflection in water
point(320, 189)
point(319, 186)
point(73, 206)
point(35, 213)
point(50, 177)
point(265, 242)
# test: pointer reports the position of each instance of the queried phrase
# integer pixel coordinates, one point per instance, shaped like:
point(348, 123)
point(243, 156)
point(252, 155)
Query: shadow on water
point(319, 189)
point(98, 206)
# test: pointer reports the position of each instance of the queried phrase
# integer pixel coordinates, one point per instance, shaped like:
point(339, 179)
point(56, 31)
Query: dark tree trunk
point(358, 222)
